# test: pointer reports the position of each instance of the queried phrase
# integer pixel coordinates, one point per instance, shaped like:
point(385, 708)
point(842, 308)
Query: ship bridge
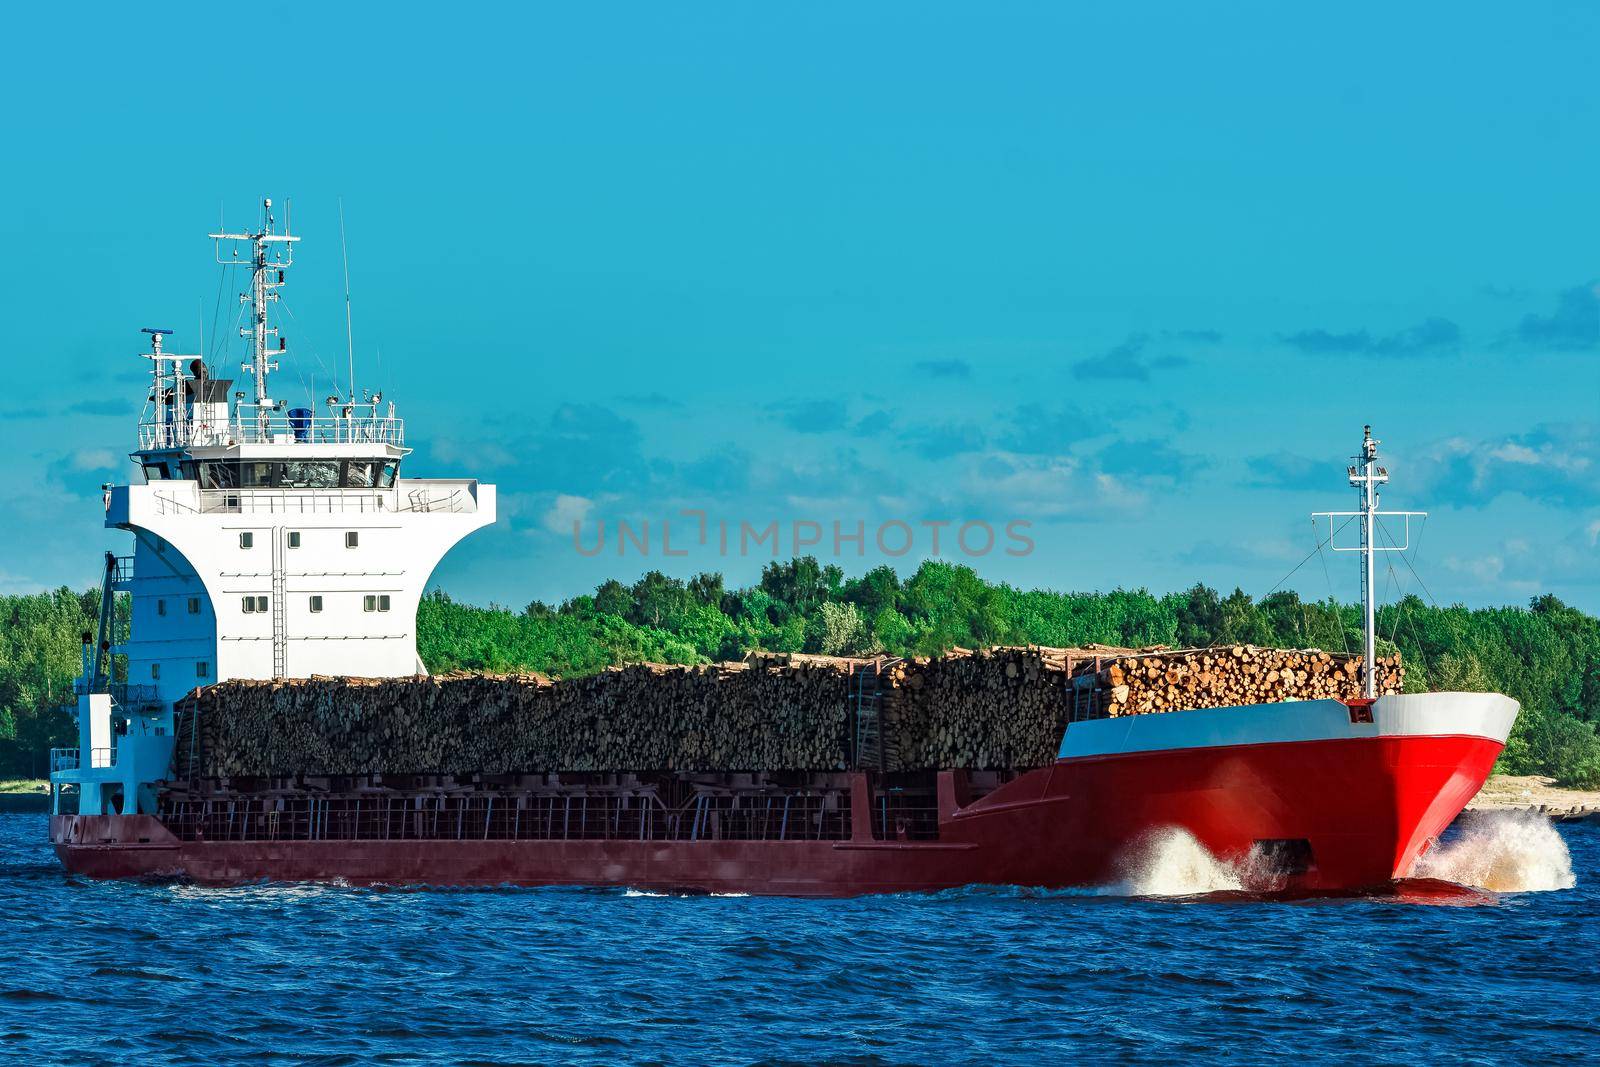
point(271, 540)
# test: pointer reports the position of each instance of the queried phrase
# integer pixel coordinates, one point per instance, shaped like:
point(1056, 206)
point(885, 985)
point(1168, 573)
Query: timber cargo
point(994, 709)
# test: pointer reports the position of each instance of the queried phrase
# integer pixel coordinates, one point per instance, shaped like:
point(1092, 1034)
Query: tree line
point(1545, 655)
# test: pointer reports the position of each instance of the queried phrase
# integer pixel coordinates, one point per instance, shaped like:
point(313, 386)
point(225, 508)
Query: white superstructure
point(269, 542)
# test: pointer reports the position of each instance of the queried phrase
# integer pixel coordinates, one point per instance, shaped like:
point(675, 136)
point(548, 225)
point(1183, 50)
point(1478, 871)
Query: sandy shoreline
point(1533, 792)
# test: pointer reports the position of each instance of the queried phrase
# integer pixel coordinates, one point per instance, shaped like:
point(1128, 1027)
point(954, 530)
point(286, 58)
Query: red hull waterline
point(1351, 802)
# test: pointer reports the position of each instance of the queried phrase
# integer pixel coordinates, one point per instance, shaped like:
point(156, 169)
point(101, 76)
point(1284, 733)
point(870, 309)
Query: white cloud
point(1554, 463)
point(566, 511)
point(1046, 487)
point(93, 459)
point(1544, 456)
point(1483, 568)
point(1524, 565)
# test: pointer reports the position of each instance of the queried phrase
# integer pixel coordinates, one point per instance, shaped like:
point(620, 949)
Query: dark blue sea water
point(130, 973)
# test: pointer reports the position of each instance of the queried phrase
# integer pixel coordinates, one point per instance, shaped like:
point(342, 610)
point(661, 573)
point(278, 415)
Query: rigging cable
point(1306, 560)
point(311, 343)
point(1411, 625)
point(1338, 614)
point(1413, 570)
point(1393, 578)
point(349, 330)
point(1333, 603)
point(216, 314)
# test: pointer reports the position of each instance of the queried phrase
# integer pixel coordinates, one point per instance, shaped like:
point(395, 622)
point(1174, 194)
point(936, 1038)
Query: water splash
point(1503, 851)
point(1171, 862)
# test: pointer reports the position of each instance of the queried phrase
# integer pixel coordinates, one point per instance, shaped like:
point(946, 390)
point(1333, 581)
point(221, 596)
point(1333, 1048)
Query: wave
point(1171, 862)
point(1502, 851)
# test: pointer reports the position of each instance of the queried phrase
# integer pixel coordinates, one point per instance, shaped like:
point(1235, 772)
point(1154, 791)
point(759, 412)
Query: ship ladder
point(1085, 697)
point(867, 706)
point(280, 637)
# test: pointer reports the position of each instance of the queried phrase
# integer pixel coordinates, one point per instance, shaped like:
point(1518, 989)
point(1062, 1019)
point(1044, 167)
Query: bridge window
point(256, 475)
point(359, 474)
point(316, 604)
point(294, 538)
point(212, 473)
point(247, 540)
point(296, 474)
point(155, 472)
point(310, 474)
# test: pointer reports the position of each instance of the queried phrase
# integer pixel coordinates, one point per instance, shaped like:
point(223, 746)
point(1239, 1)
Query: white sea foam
point(1170, 862)
point(1503, 851)
point(264, 892)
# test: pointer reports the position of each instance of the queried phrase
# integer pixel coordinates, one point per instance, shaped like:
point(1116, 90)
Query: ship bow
point(1334, 795)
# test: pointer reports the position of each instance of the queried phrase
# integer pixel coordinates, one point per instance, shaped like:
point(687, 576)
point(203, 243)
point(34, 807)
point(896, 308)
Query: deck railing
point(363, 424)
point(130, 694)
point(70, 759)
point(486, 816)
point(456, 497)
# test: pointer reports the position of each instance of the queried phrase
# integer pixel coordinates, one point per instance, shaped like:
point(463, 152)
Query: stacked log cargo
point(1007, 708)
point(991, 709)
point(998, 708)
point(357, 726)
point(767, 714)
point(1144, 683)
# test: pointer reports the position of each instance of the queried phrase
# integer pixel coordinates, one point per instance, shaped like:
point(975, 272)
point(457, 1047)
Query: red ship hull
point(1354, 812)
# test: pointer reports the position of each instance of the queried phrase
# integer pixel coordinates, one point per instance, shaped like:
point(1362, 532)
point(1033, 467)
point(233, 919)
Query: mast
point(267, 264)
point(1366, 475)
point(168, 402)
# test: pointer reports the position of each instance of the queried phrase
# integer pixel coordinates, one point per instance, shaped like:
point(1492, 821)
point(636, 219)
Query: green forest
point(1545, 654)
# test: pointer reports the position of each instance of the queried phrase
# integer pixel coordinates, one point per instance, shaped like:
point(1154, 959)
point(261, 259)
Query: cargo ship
point(276, 543)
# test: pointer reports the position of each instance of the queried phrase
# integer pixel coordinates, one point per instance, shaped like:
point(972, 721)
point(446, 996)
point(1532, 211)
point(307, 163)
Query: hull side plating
point(1364, 808)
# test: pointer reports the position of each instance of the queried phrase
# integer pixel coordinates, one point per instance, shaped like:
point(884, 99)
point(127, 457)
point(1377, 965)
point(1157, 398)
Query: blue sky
point(1132, 274)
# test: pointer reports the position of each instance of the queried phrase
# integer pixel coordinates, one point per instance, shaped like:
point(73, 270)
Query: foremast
point(1365, 475)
